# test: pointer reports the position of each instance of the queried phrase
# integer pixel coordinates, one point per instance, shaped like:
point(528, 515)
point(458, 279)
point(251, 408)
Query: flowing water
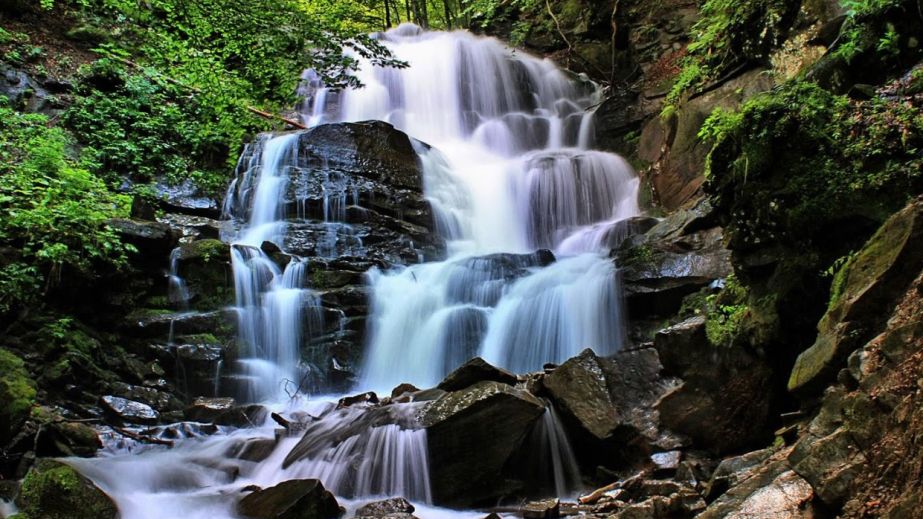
point(528, 210)
point(513, 173)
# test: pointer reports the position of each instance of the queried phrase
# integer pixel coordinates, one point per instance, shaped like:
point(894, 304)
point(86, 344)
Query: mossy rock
point(53, 490)
point(864, 292)
point(203, 264)
point(17, 394)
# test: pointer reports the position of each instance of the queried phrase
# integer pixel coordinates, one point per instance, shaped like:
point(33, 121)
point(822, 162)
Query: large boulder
point(612, 399)
point(394, 508)
point(721, 403)
point(54, 490)
point(293, 499)
point(472, 433)
point(863, 295)
point(154, 240)
point(359, 184)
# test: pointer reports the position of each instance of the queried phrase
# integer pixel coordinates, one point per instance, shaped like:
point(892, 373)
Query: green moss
point(205, 251)
point(791, 162)
point(17, 394)
point(726, 312)
point(200, 338)
point(53, 490)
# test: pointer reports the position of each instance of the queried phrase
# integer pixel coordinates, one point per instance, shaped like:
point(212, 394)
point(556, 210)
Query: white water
point(513, 173)
point(510, 171)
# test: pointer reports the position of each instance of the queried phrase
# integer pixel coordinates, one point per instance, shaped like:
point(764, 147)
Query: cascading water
point(528, 211)
point(513, 173)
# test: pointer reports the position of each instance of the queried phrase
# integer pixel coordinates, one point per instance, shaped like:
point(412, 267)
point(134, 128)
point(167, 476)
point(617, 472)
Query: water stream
point(526, 206)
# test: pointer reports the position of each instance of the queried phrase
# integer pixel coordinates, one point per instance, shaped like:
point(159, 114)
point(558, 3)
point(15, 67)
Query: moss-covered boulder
point(862, 294)
point(54, 490)
point(17, 394)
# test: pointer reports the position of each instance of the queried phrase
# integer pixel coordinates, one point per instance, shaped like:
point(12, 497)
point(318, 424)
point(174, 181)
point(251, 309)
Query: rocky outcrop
point(679, 256)
point(862, 295)
point(53, 490)
point(293, 499)
point(471, 434)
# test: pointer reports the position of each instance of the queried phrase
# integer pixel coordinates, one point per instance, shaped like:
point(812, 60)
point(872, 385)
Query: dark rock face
point(204, 267)
point(678, 256)
point(366, 177)
point(154, 240)
point(578, 387)
point(53, 490)
point(721, 403)
point(472, 433)
point(473, 371)
point(294, 499)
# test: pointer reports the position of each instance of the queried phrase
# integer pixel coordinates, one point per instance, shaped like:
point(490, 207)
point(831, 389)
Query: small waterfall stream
point(526, 207)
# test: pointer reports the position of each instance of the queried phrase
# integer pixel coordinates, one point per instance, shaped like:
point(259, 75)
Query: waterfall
point(510, 172)
point(529, 212)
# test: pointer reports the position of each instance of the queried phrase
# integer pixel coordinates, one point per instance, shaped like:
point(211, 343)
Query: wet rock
point(53, 490)
point(403, 388)
point(362, 399)
point(187, 198)
point(128, 410)
point(771, 490)
point(666, 463)
point(471, 434)
point(885, 266)
point(199, 365)
point(153, 240)
point(159, 400)
point(192, 228)
point(391, 508)
point(204, 267)
point(253, 449)
point(732, 471)
point(71, 439)
point(679, 256)
point(205, 409)
point(612, 399)
point(365, 181)
point(545, 509)
point(157, 324)
point(294, 499)
point(473, 371)
point(579, 388)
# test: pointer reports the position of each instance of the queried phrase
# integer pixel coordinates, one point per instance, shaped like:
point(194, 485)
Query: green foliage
point(55, 209)
point(730, 33)
point(864, 29)
point(139, 127)
point(792, 161)
point(725, 312)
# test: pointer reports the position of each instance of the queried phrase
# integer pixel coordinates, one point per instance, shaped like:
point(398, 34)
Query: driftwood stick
point(597, 494)
point(267, 115)
point(141, 438)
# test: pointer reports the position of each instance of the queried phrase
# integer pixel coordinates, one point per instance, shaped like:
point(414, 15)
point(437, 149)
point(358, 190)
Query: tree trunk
point(387, 15)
